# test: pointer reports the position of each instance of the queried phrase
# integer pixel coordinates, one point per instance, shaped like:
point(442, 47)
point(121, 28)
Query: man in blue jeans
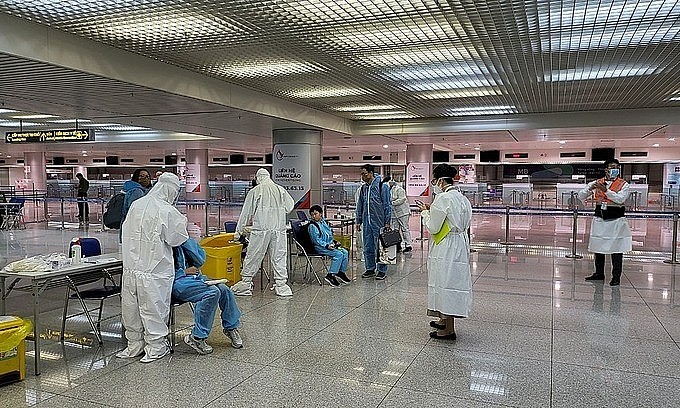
point(190, 286)
point(374, 210)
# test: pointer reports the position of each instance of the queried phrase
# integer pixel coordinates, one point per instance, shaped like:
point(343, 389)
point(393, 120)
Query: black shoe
point(451, 336)
point(368, 274)
point(407, 249)
point(380, 276)
point(437, 325)
point(615, 282)
point(595, 277)
point(330, 279)
point(342, 278)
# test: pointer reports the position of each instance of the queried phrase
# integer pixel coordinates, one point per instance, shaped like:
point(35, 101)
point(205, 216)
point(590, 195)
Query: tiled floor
point(539, 337)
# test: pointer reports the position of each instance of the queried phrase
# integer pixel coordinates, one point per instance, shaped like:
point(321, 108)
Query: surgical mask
point(436, 189)
point(613, 173)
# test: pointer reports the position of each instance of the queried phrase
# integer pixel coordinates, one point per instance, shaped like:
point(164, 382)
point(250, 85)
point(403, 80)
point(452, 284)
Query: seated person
point(322, 237)
point(190, 286)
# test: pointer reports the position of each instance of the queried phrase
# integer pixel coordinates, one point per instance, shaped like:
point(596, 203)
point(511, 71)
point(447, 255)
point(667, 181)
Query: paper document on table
point(216, 281)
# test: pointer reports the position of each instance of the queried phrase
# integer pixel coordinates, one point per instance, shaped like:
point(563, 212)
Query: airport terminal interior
point(525, 99)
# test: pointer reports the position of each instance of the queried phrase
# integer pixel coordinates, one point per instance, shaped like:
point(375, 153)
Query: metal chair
point(14, 214)
point(305, 250)
point(89, 247)
point(174, 303)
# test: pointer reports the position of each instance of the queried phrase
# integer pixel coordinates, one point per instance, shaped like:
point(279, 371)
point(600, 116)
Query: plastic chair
point(89, 247)
point(14, 214)
point(306, 251)
point(230, 226)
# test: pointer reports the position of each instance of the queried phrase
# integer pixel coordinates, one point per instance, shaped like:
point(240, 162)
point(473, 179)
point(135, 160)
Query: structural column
point(296, 164)
point(34, 170)
point(196, 174)
point(418, 171)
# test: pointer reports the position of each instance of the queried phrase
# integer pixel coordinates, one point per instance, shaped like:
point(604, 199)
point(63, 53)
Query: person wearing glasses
point(374, 211)
point(609, 232)
point(449, 280)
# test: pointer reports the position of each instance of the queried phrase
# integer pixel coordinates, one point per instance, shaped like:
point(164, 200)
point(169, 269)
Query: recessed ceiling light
point(562, 142)
point(476, 148)
point(327, 92)
point(33, 116)
point(386, 146)
point(359, 108)
point(672, 139)
point(655, 145)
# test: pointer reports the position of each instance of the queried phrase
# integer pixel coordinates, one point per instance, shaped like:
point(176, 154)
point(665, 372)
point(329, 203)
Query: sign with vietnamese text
point(49, 136)
point(417, 179)
point(292, 169)
point(192, 174)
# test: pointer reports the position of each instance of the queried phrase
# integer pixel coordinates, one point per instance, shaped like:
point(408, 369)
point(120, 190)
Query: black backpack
point(114, 211)
point(305, 239)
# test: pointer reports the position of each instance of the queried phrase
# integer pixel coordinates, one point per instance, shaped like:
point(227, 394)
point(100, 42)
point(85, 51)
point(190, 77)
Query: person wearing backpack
point(374, 210)
point(135, 188)
point(322, 237)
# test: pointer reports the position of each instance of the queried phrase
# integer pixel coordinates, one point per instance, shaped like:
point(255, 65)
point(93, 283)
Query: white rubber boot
point(243, 288)
point(283, 290)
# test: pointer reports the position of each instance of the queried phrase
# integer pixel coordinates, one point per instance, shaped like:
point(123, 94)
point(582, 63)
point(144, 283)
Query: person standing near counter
point(609, 232)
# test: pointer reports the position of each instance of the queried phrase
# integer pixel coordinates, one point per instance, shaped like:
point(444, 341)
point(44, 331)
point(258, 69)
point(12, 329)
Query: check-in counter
point(473, 191)
point(567, 194)
point(517, 194)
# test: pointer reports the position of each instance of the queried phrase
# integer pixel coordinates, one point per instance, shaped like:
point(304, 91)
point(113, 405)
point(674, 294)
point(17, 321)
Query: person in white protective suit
point(268, 205)
point(449, 286)
point(152, 227)
point(401, 212)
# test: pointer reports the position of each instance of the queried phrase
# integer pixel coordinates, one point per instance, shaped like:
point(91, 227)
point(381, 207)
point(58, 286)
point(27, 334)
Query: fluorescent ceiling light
point(7, 111)
point(166, 23)
point(33, 116)
point(437, 71)
point(458, 93)
point(395, 32)
point(267, 69)
point(8, 123)
point(655, 145)
point(386, 115)
point(359, 108)
point(444, 84)
point(674, 98)
point(326, 92)
point(587, 73)
point(120, 127)
point(418, 56)
point(481, 110)
point(312, 11)
point(380, 113)
point(70, 121)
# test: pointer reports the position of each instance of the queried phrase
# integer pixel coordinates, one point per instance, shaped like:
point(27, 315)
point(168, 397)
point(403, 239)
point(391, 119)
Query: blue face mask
point(613, 173)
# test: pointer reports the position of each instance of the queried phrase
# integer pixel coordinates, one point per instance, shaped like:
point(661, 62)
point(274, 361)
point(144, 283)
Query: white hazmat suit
point(152, 227)
point(268, 205)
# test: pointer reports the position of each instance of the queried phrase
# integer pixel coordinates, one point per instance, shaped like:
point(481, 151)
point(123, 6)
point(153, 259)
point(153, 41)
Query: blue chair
point(89, 247)
point(230, 226)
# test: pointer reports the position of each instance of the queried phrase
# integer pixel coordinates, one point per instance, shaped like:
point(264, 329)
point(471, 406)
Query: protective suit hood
point(262, 176)
point(166, 188)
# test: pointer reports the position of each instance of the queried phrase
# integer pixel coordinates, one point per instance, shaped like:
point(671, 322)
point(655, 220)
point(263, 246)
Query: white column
point(196, 174)
point(296, 164)
point(34, 169)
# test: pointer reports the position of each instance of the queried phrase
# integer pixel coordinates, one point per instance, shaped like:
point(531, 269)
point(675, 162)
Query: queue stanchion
point(219, 216)
point(103, 228)
point(207, 228)
point(674, 248)
point(507, 226)
point(62, 214)
point(574, 233)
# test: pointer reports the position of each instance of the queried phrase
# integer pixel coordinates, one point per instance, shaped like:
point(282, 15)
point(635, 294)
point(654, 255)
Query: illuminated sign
point(516, 155)
point(49, 136)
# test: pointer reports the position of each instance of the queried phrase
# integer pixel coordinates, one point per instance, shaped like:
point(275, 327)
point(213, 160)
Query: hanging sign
point(48, 136)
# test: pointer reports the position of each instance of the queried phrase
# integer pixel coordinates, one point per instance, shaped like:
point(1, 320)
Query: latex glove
point(237, 236)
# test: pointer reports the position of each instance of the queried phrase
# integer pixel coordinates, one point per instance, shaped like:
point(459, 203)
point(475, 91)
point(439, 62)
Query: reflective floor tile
point(19, 395)
point(384, 324)
point(401, 397)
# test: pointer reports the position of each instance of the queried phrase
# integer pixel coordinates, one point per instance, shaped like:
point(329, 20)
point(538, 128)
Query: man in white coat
point(151, 228)
point(449, 287)
point(268, 205)
point(401, 212)
point(609, 232)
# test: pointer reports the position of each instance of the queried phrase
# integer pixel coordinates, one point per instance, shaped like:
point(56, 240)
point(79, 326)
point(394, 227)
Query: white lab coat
point(152, 227)
point(609, 236)
point(268, 206)
point(449, 287)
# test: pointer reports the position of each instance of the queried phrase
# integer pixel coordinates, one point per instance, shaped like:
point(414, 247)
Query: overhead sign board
point(49, 136)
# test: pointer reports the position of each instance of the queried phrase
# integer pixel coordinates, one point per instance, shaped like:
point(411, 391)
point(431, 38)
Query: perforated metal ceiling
point(377, 59)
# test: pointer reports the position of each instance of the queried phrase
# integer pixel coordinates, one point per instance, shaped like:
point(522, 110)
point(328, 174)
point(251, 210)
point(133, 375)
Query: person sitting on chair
point(322, 237)
point(190, 286)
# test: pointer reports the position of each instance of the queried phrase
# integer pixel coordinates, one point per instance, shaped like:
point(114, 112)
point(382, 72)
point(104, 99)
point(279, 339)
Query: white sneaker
point(148, 358)
point(131, 351)
point(235, 337)
point(283, 290)
point(199, 345)
point(243, 288)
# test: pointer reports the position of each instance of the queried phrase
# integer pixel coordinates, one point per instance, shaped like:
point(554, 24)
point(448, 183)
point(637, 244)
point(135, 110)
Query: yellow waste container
point(223, 258)
point(13, 332)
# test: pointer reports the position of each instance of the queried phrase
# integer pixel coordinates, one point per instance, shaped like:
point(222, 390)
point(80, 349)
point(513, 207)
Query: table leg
point(36, 325)
point(2, 301)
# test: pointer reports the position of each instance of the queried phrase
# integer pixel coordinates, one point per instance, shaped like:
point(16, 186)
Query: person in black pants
point(83, 207)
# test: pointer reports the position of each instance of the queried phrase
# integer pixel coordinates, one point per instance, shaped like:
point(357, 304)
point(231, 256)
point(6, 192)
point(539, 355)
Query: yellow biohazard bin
point(13, 332)
point(223, 258)
point(345, 240)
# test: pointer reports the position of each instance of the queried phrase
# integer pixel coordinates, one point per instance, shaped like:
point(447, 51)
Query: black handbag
point(389, 237)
